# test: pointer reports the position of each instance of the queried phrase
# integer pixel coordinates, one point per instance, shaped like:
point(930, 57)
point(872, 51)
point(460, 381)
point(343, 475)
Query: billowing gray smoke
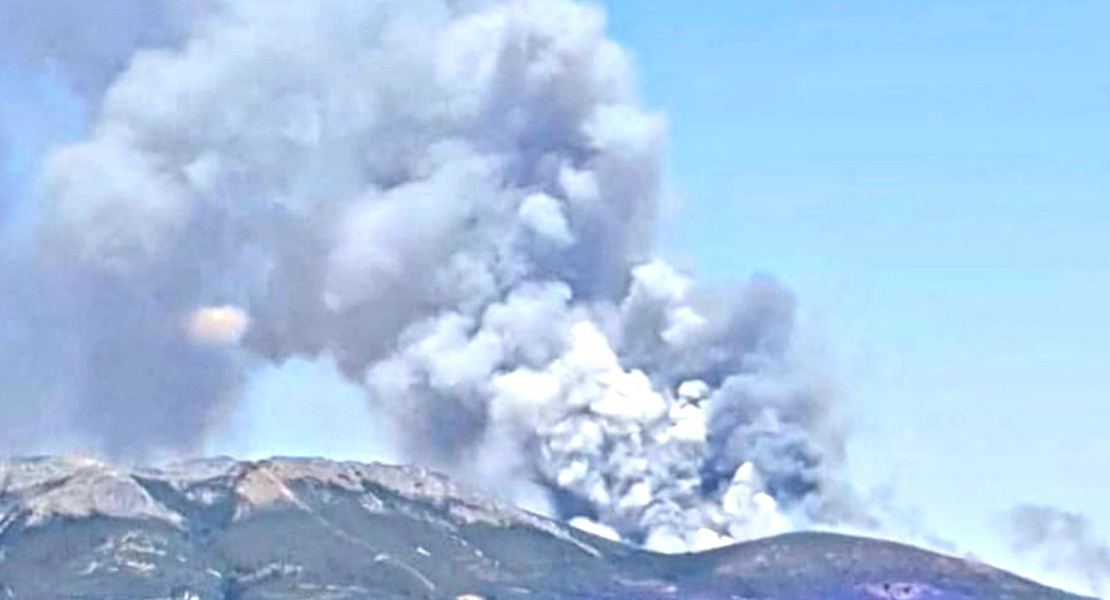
point(1065, 543)
point(455, 203)
point(88, 42)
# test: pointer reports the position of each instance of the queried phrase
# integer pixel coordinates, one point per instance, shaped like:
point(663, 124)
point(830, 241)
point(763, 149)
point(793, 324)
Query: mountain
point(299, 529)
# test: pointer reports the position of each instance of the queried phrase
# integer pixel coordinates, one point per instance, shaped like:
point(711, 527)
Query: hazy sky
point(932, 178)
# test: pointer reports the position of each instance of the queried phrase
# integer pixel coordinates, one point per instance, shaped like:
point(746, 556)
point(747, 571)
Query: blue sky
point(932, 178)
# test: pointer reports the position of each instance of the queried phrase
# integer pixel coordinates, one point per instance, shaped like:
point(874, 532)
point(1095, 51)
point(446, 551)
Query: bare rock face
point(46, 489)
point(313, 529)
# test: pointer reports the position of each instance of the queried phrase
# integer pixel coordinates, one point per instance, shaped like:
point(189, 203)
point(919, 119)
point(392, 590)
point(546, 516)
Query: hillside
point(294, 529)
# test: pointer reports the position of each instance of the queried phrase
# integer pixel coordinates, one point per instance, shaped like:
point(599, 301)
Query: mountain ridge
point(295, 528)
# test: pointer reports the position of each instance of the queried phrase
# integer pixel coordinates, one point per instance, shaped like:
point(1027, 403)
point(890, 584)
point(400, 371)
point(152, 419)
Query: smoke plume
point(455, 203)
point(1064, 543)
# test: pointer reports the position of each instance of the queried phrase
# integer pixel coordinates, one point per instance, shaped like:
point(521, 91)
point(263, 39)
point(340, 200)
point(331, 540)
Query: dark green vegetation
point(303, 529)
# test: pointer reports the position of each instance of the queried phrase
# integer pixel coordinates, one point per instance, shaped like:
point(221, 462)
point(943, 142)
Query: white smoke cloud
point(455, 203)
point(1064, 545)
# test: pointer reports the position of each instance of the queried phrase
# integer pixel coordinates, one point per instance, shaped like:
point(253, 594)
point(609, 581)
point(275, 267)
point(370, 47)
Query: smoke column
point(452, 201)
